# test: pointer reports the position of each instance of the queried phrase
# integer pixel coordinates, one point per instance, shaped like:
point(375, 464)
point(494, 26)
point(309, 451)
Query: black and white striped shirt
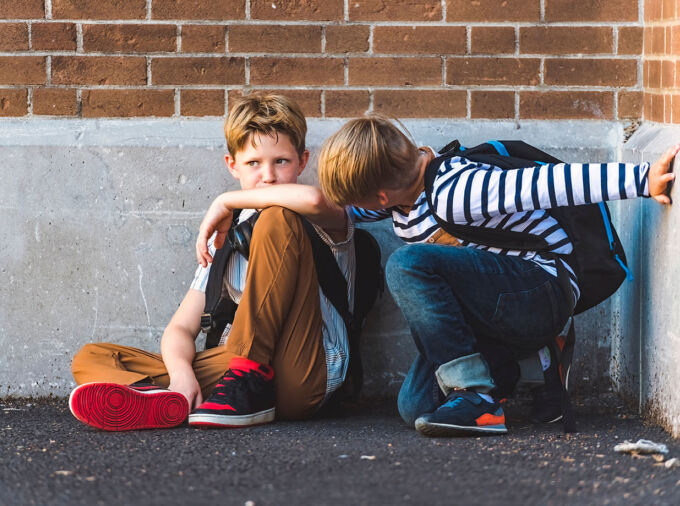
point(473, 193)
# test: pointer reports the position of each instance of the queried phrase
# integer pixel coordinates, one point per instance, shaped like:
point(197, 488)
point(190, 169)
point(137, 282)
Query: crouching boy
point(457, 295)
point(286, 350)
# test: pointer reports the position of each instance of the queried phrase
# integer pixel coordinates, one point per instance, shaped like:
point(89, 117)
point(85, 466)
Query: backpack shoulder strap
point(213, 288)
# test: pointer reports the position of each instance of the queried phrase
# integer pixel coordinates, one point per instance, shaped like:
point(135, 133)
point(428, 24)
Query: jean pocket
point(531, 315)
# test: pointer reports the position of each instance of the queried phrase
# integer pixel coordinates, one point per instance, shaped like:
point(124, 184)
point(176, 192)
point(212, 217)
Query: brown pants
point(278, 322)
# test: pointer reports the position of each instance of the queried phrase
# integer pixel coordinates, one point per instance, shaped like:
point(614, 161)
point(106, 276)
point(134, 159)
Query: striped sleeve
point(358, 215)
point(468, 192)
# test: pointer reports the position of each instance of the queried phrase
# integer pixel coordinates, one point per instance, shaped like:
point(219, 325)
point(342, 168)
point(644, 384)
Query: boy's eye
point(282, 160)
point(251, 163)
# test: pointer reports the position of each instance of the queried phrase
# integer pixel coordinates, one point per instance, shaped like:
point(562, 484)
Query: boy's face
point(271, 160)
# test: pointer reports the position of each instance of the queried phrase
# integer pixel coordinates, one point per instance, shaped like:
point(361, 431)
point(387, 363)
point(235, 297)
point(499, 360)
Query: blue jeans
point(456, 298)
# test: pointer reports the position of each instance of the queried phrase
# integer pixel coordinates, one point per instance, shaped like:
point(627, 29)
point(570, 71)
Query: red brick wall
point(505, 59)
point(662, 47)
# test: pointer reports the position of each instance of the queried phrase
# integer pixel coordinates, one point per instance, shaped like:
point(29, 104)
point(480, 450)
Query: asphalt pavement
point(367, 456)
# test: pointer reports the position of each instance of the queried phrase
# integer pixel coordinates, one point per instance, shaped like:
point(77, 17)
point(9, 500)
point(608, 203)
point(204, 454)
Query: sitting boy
point(287, 349)
point(456, 298)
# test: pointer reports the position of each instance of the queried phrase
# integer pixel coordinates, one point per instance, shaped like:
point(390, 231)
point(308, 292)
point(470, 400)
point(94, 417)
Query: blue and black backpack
point(598, 258)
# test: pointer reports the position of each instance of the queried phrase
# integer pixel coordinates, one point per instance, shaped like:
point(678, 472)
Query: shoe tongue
point(465, 394)
point(243, 364)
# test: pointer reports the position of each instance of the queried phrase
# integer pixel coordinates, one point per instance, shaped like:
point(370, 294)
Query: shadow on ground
point(368, 457)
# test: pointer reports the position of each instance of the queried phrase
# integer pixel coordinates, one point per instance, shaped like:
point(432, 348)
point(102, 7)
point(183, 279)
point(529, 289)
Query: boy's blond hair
point(366, 155)
point(267, 114)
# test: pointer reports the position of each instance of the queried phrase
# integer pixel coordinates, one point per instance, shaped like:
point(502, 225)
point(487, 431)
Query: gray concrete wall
point(646, 342)
point(99, 221)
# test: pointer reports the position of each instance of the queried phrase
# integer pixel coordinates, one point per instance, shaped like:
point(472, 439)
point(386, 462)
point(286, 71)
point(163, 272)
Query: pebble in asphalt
point(366, 457)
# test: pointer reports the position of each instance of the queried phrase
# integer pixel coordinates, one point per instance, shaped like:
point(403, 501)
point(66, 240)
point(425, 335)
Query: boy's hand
point(187, 385)
point(660, 176)
point(217, 219)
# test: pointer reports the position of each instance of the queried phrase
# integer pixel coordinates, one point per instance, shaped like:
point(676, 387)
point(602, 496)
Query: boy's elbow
point(316, 201)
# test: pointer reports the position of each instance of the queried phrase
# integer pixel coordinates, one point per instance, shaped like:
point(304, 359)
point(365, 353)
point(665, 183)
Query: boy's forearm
point(305, 200)
point(178, 350)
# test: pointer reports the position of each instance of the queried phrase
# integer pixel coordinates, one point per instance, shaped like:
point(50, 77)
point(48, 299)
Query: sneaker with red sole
point(110, 406)
point(243, 397)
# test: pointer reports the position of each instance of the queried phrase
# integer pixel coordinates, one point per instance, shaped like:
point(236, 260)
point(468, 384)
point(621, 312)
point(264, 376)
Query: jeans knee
point(400, 262)
point(408, 410)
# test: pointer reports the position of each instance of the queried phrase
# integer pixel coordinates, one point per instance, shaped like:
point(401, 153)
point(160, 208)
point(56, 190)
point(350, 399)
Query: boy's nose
point(268, 174)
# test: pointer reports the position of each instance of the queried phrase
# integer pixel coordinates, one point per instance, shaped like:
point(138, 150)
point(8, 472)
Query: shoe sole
point(113, 407)
point(214, 420)
point(432, 429)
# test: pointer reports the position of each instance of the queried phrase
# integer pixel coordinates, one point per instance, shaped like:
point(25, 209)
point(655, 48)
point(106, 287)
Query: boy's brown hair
point(366, 155)
point(267, 114)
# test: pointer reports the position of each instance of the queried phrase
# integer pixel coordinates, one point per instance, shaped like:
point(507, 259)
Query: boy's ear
point(383, 199)
point(304, 158)
point(231, 165)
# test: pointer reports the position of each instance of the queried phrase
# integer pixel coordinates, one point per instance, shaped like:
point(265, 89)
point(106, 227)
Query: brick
point(129, 38)
point(274, 39)
point(630, 40)
point(198, 9)
point(565, 39)
point(591, 10)
point(55, 102)
point(99, 9)
point(395, 71)
point(630, 104)
point(22, 70)
point(128, 103)
point(13, 102)
point(395, 10)
point(493, 10)
point(195, 70)
point(298, 10)
point(566, 105)
point(498, 71)
point(202, 103)
point(674, 47)
point(204, 39)
point(53, 36)
point(296, 71)
point(308, 100)
point(420, 39)
point(647, 105)
point(22, 9)
point(658, 40)
point(492, 104)
point(675, 108)
point(652, 10)
point(657, 108)
point(347, 103)
point(667, 73)
point(668, 10)
point(347, 39)
point(13, 36)
point(667, 108)
point(602, 72)
point(492, 39)
point(654, 79)
point(98, 70)
point(421, 103)
point(677, 74)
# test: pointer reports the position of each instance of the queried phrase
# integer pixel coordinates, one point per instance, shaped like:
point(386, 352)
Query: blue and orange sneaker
point(463, 413)
point(243, 397)
point(110, 406)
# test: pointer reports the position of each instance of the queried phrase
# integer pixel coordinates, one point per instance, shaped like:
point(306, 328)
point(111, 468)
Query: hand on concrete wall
point(660, 176)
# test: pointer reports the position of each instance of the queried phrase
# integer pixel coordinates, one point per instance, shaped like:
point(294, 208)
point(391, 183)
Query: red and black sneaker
point(244, 396)
point(110, 406)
